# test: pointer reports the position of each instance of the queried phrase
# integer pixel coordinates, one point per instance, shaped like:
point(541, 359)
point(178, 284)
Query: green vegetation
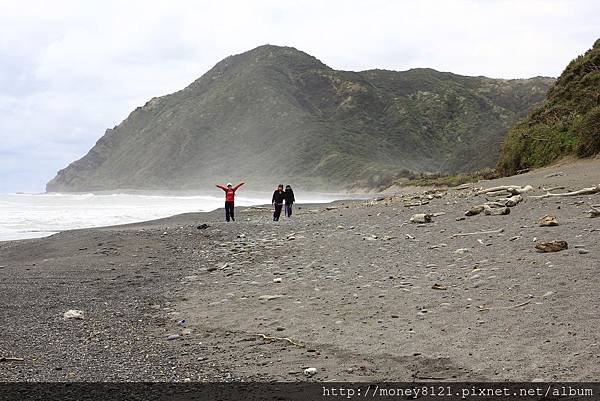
point(442, 180)
point(276, 114)
point(568, 123)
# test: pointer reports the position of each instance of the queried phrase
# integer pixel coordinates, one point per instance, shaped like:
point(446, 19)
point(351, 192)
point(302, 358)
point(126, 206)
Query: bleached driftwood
point(421, 218)
point(513, 189)
point(475, 210)
point(478, 233)
point(489, 209)
point(584, 191)
point(272, 338)
point(462, 187)
point(483, 308)
point(496, 211)
point(416, 204)
point(497, 208)
point(512, 201)
point(552, 189)
point(10, 359)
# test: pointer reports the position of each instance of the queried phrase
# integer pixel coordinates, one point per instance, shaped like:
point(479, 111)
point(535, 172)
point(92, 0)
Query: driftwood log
point(421, 218)
point(552, 189)
point(584, 191)
point(478, 233)
point(489, 209)
point(512, 201)
point(498, 207)
point(512, 189)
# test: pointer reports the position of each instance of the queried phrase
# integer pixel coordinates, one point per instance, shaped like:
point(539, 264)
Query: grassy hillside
point(568, 123)
point(277, 114)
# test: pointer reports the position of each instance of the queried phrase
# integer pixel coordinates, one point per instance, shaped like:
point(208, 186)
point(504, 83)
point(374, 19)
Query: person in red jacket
point(229, 199)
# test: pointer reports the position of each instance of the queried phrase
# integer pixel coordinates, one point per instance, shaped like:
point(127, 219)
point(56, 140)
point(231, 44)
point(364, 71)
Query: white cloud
point(71, 69)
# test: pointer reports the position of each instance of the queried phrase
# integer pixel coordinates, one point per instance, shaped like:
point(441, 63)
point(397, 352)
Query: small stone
point(310, 372)
point(583, 251)
point(211, 269)
point(553, 246)
point(462, 251)
point(277, 280)
point(421, 218)
point(73, 314)
point(172, 337)
point(280, 328)
point(269, 297)
point(548, 221)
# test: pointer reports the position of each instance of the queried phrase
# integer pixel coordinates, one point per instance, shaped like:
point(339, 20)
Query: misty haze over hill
point(276, 114)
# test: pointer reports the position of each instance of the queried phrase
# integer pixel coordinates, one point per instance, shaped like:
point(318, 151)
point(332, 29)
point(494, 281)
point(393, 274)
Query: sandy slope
point(355, 307)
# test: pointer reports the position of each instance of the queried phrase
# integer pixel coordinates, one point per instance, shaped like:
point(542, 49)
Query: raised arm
point(222, 187)
point(238, 185)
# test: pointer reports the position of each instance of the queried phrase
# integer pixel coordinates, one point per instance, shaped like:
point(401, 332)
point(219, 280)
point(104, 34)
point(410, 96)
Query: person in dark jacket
point(277, 201)
point(289, 200)
point(229, 199)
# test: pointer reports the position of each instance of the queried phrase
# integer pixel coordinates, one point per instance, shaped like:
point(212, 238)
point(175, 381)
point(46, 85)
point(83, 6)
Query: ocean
point(38, 215)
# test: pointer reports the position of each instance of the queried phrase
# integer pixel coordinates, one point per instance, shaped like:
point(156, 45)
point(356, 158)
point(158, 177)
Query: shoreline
point(361, 293)
point(41, 232)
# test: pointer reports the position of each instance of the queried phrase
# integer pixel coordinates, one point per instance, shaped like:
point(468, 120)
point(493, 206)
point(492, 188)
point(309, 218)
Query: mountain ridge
point(276, 113)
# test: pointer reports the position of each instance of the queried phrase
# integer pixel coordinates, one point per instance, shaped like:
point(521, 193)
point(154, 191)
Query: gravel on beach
point(352, 289)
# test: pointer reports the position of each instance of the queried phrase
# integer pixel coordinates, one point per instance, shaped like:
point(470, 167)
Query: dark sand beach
point(346, 288)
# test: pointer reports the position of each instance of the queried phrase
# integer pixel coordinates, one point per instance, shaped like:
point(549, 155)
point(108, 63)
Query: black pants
point(229, 211)
point(288, 209)
point(277, 211)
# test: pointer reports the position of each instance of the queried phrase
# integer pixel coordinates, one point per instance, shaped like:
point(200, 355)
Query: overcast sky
point(71, 69)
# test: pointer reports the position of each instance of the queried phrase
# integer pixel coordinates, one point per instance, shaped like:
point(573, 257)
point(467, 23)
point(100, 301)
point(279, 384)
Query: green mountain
point(276, 114)
point(568, 123)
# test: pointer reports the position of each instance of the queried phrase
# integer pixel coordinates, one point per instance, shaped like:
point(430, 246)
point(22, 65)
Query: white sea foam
point(38, 215)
